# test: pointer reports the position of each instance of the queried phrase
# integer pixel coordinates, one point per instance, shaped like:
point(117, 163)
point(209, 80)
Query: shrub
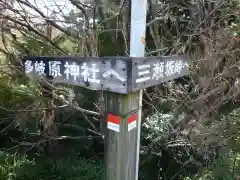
point(12, 166)
point(15, 167)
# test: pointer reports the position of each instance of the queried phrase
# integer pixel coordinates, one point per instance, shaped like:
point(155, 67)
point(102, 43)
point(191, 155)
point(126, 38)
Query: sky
point(48, 6)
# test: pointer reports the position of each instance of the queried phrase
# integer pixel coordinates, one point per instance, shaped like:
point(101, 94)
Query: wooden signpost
point(122, 79)
point(121, 75)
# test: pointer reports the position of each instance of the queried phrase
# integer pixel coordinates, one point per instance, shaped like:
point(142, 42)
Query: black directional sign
point(150, 71)
point(116, 74)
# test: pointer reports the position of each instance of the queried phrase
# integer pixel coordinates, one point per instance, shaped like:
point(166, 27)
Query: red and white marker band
point(132, 122)
point(113, 122)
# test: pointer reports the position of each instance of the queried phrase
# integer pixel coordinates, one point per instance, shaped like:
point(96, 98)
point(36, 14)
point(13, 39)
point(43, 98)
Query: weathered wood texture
point(96, 70)
point(150, 71)
point(120, 147)
point(114, 74)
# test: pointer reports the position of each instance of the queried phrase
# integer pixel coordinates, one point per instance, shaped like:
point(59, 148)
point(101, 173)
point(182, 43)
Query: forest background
point(191, 126)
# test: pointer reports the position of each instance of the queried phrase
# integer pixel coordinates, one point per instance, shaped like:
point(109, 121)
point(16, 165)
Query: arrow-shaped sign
point(114, 73)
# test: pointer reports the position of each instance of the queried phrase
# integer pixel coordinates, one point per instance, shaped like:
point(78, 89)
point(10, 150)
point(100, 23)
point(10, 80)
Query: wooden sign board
point(94, 73)
point(150, 71)
point(115, 74)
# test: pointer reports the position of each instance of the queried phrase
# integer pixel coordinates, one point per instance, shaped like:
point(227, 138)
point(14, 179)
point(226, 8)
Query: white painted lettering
point(169, 68)
point(72, 70)
point(39, 68)
point(54, 68)
point(178, 66)
point(28, 66)
point(90, 72)
point(143, 70)
point(158, 70)
point(114, 73)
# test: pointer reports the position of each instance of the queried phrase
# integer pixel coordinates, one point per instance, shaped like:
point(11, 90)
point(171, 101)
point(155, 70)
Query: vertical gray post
point(137, 49)
point(123, 112)
point(121, 136)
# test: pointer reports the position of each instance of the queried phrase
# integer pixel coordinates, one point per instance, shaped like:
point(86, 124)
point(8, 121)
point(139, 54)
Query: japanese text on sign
point(88, 73)
point(105, 73)
point(159, 70)
point(116, 74)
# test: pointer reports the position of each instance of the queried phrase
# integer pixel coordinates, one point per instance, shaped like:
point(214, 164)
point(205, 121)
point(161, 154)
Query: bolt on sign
point(116, 74)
